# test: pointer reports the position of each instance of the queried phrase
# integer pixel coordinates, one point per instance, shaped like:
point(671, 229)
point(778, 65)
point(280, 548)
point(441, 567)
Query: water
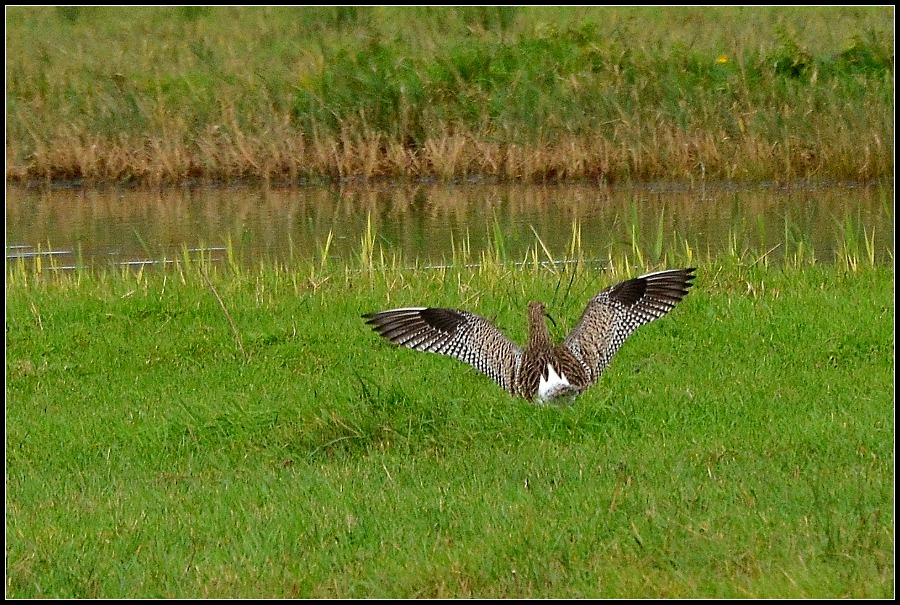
point(66, 227)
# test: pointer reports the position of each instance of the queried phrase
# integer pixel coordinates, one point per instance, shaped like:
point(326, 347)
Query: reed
point(375, 255)
point(293, 95)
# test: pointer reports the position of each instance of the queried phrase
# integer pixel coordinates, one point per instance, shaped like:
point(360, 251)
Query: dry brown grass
point(287, 156)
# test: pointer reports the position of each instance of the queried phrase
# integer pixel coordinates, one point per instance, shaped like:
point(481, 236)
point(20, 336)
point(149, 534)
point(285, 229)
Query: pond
point(66, 227)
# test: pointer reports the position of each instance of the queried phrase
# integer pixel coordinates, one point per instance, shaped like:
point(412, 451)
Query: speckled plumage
point(543, 370)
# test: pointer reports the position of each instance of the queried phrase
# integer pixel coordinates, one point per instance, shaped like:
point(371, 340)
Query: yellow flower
point(722, 59)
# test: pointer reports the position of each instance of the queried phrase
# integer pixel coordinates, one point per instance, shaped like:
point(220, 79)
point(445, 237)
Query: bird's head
point(537, 311)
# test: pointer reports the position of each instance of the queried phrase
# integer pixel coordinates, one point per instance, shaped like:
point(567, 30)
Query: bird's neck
point(538, 334)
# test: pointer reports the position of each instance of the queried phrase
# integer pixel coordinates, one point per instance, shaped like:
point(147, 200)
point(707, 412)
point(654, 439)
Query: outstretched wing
point(460, 334)
point(616, 312)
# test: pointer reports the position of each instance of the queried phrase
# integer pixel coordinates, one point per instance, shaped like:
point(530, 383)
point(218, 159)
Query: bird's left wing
point(460, 334)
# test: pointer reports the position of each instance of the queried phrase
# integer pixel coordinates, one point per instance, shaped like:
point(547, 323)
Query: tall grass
point(514, 94)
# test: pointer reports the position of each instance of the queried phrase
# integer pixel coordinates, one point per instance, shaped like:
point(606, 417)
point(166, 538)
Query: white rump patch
point(554, 385)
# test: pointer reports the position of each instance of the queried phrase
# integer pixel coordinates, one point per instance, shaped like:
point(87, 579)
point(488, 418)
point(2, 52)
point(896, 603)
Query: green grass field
point(740, 447)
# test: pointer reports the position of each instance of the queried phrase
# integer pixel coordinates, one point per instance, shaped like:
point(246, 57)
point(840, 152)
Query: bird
point(541, 372)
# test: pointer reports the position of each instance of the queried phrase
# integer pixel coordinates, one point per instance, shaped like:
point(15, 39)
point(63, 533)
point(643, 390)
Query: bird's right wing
point(616, 312)
point(460, 334)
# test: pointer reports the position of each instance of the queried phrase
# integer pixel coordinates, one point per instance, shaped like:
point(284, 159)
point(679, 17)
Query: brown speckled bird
point(544, 371)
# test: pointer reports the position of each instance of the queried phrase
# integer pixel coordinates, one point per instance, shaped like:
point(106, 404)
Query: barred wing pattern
point(460, 334)
point(616, 312)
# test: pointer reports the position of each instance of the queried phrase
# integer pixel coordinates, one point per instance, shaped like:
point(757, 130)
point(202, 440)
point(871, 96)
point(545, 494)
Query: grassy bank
point(160, 446)
point(153, 95)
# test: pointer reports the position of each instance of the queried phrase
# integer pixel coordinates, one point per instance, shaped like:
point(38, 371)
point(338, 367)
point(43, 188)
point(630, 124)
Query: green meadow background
point(299, 94)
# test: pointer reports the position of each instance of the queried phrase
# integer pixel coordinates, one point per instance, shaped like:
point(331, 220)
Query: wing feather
point(616, 312)
point(460, 334)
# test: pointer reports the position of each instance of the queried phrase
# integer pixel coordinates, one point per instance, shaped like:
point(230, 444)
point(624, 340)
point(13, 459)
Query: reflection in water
point(423, 222)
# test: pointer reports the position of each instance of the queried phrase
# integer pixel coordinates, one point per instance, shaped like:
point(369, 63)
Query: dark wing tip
point(376, 318)
point(672, 284)
point(444, 320)
point(629, 291)
point(397, 322)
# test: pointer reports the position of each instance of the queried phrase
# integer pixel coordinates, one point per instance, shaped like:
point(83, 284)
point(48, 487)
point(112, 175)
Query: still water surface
point(103, 227)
